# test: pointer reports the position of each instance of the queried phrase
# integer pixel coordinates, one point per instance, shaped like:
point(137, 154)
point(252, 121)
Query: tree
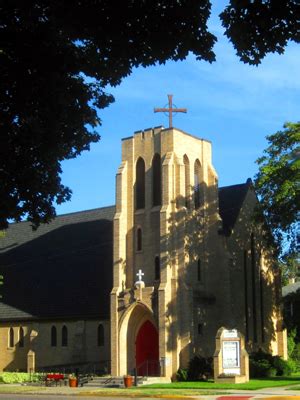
point(277, 184)
point(258, 27)
point(57, 57)
point(290, 268)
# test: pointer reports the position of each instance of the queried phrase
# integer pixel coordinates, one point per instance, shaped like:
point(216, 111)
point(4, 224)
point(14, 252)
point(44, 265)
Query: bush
point(182, 375)
point(19, 377)
point(265, 365)
point(284, 368)
point(291, 342)
point(261, 369)
point(296, 356)
point(200, 368)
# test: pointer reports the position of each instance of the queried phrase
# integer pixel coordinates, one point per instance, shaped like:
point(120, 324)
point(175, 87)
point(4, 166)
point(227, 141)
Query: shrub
point(265, 365)
point(296, 356)
point(182, 375)
point(291, 342)
point(19, 377)
point(284, 368)
point(261, 369)
point(200, 368)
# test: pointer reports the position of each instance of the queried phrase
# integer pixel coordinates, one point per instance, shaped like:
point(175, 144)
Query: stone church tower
point(196, 271)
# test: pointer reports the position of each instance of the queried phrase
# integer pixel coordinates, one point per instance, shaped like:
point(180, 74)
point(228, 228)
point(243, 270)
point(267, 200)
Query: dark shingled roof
point(64, 269)
point(231, 199)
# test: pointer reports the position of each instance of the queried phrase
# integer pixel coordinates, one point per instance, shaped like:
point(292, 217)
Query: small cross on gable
point(140, 275)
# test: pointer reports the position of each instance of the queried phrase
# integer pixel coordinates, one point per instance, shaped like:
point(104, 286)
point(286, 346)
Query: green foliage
point(283, 367)
point(295, 357)
point(200, 368)
point(292, 321)
point(261, 369)
point(290, 268)
point(294, 350)
point(259, 27)
point(291, 342)
point(54, 84)
point(182, 375)
point(263, 365)
point(277, 184)
point(19, 377)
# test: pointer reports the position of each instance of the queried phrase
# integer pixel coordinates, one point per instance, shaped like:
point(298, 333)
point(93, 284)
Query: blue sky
point(229, 103)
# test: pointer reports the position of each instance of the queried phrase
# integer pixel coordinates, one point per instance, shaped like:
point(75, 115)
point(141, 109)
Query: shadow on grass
point(282, 378)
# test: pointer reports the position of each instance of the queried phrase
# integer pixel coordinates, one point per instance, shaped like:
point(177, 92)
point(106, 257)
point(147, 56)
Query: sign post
point(231, 361)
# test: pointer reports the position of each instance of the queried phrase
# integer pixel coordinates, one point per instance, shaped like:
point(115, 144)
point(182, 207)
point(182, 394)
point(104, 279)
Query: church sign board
point(231, 363)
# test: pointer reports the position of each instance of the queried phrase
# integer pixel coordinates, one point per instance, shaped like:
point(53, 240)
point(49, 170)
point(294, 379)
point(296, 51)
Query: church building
point(146, 283)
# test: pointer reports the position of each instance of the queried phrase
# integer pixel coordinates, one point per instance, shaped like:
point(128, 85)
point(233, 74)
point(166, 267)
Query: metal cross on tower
point(170, 110)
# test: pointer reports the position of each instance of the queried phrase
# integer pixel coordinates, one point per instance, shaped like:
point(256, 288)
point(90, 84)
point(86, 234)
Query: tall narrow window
point(139, 239)
point(261, 292)
point(53, 336)
point(253, 266)
point(156, 180)
point(187, 180)
point(11, 338)
point(200, 329)
point(246, 294)
point(157, 268)
point(197, 170)
point(21, 337)
point(64, 336)
point(140, 184)
point(199, 271)
point(100, 335)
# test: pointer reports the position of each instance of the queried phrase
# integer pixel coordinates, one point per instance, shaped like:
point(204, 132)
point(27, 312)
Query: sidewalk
point(274, 393)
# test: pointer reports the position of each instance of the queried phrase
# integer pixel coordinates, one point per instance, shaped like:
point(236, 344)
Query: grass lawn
point(253, 384)
point(171, 390)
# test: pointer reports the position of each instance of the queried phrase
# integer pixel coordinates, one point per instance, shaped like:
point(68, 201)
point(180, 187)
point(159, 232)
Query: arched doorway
point(146, 350)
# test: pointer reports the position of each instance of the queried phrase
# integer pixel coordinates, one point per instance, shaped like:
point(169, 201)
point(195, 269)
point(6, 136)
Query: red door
point(146, 350)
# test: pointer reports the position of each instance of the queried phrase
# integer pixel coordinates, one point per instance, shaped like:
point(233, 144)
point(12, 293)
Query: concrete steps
point(118, 381)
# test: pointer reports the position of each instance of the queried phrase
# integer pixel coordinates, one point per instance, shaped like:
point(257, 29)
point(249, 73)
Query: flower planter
point(128, 379)
point(73, 382)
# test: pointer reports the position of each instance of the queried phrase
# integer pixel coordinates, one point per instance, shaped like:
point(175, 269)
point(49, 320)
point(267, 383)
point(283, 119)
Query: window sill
point(139, 212)
point(155, 208)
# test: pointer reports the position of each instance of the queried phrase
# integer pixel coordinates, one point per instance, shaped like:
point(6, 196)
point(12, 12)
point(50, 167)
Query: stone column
point(31, 362)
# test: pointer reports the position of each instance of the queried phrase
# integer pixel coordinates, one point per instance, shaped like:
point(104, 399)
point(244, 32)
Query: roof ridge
point(65, 214)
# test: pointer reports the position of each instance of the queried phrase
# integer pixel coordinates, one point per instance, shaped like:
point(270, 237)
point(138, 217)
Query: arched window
point(21, 337)
point(199, 271)
point(156, 180)
point(11, 338)
point(139, 239)
point(187, 180)
point(53, 336)
point(157, 268)
point(197, 169)
point(140, 184)
point(100, 335)
point(64, 336)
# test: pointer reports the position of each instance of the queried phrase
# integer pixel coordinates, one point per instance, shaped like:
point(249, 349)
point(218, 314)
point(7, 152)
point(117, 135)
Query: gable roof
point(231, 199)
point(63, 269)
